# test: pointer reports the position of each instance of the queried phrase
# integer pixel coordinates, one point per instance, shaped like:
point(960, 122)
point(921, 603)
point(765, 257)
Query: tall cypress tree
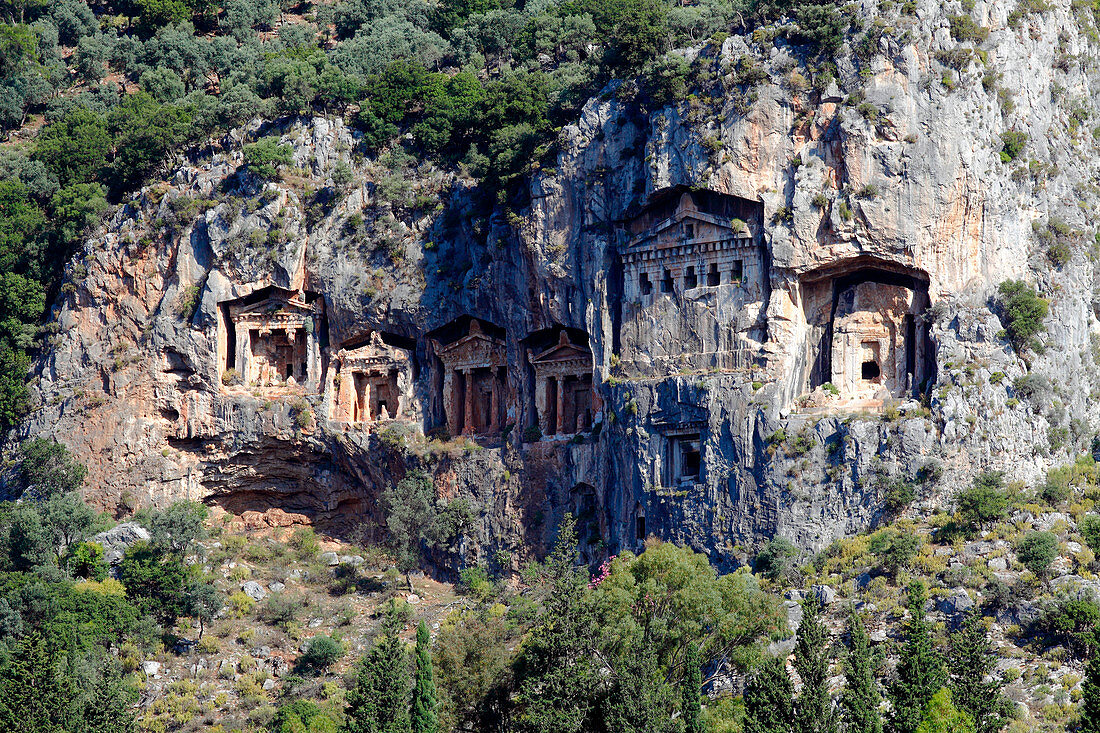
point(814, 711)
point(920, 672)
point(425, 718)
point(379, 701)
point(860, 698)
point(970, 660)
point(1090, 695)
point(690, 708)
point(768, 696)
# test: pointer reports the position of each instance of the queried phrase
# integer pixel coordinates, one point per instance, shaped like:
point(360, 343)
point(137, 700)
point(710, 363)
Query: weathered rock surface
point(906, 174)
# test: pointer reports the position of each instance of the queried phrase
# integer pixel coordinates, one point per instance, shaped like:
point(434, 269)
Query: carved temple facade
point(372, 382)
point(564, 398)
point(272, 338)
point(869, 336)
point(686, 240)
point(694, 285)
point(475, 385)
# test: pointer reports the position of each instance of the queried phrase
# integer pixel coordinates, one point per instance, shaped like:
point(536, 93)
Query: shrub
point(304, 542)
point(264, 157)
point(773, 560)
point(1037, 551)
point(323, 652)
point(1089, 529)
point(963, 29)
point(984, 503)
point(1073, 623)
point(895, 548)
point(475, 582)
point(281, 609)
point(1012, 145)
point(1023, 312)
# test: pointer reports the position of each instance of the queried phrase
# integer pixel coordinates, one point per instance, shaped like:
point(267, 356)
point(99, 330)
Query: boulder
point(956, 602)
point(824, 594)
point(254, 590)
point(118, 539)
point(151, 668)
point(330, 558)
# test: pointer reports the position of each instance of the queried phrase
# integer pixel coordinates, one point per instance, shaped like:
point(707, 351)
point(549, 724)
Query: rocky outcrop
point(888, 181)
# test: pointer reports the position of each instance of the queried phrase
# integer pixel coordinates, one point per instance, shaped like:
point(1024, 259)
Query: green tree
point(895, 548)
point(691, 711)
point(941, 716)
point(145, 132)
point(859, 700)
point(774, 558)
point(76, 209)
point(813, 711)
point(22, 223)
point(33, 697)
point(984, 503)
point(970, 659)
point(425, 717)
point(768, 699)
point(1090, 695)
point(410, 511)
point(640, 698)
point(67, 518)
point(265, 156)
point(1037, 551)
point(920, 671)
point(202, 601)
point(177, 527)
point(156, 580)
point(47, 469)
point(379, 700)
point(76, 147)
point(30, 544)
point(558, 682)
point(108, 709)
point(1023, 313)
point(323, 652)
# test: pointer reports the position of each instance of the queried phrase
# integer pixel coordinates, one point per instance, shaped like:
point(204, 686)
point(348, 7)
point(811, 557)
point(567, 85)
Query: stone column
point(559, 428)
point(450, 408)
point(366, 401)
point(468, 417)
point(311, 374)
point(544, 418)
point(345, 394)
point(494, 405)
point(244, 353)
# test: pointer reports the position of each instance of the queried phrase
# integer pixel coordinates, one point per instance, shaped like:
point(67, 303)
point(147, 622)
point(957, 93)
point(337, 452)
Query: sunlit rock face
point(714, 322)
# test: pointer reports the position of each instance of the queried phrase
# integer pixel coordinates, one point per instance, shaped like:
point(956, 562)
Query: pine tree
point(425, 718)
point(860, 699)
point(33, 699)
point(768, 696)
point(558, 683)
point(920, 671)
point(970, 660)
point(379, 701)
point(690, 708)
point(108, 710)
point(1090, 695)
point(813, 713)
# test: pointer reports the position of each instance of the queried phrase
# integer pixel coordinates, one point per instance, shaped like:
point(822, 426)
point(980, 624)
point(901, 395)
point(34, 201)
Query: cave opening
point(870, 370)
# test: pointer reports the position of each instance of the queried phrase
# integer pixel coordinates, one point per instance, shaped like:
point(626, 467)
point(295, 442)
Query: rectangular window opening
point(738, 271)
point(690, 280)
point(714, 278)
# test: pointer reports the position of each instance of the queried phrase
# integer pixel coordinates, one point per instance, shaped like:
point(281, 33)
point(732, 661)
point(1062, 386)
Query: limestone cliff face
point(728, 405)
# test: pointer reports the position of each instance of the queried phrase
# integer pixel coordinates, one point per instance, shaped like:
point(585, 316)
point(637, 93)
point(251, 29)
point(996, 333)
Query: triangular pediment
point(273, 306)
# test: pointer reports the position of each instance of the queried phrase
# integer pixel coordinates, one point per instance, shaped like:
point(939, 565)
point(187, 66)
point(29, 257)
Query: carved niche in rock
point(869, 337)
point(564, 398)
point(474, 377)
point(680, 460)
point(373, 382)
point(694, 283)
point(271, 338)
